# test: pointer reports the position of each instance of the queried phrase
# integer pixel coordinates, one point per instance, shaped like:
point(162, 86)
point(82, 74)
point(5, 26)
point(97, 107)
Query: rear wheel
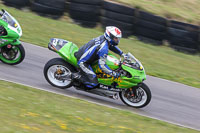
point(12, 55)
point(55, 70)
point(137, 97)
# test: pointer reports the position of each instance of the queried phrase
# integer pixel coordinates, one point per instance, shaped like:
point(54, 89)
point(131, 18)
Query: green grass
point(182, 10)
point(28, 110)
point(159, 61)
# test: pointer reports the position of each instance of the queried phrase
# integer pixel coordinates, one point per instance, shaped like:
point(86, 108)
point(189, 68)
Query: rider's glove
point(115, 74)
point(125, 56)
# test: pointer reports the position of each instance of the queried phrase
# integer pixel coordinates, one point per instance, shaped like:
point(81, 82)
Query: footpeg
point(76, 75)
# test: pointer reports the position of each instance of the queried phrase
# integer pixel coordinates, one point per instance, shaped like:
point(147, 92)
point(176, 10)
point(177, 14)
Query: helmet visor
point(115, 39)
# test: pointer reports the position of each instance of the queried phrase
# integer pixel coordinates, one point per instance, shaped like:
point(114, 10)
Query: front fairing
point(11, 25)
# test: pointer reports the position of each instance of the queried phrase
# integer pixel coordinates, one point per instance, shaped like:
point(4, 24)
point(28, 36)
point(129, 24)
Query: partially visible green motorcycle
point(129, 86)
point(11, 50)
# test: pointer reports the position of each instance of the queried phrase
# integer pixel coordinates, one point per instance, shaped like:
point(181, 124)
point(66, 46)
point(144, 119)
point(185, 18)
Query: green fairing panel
point(3, 23)
point(11, 37)
point(123, 82)
point(67, 52)
point(137, 75)
point(112, 62)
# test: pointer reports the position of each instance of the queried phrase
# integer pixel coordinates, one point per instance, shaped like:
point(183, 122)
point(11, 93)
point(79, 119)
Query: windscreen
point(133, 62)
point(57, 43)
point(9, 19)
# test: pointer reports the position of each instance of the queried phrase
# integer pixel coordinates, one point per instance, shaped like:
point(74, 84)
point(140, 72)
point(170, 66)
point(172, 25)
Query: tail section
point(65, 49)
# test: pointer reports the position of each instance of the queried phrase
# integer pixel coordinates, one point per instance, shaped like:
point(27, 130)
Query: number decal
point(55, 42)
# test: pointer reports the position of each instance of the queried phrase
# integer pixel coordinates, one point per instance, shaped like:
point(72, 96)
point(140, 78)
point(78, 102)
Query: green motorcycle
point(11, 50)
point(129, 86)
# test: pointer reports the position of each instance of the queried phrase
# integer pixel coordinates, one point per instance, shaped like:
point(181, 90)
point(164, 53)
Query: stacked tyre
point(85, 12)
point(52, 7)
point(150, 26)
point(114, 14)
point(17, 3)
point(183, 36)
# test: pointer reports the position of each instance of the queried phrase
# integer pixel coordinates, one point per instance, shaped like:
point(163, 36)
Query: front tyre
point(12, 55)
point(55, 69)
point(137, 97)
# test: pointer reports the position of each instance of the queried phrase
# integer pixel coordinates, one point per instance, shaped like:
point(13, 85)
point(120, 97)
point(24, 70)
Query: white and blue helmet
point(113, 35)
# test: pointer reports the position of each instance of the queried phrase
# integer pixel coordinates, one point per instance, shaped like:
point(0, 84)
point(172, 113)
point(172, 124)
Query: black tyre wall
point(52, 3)
point(183, 42)
point(118, 16)
point(89, 2)
point(151, 26)
point(39, 8)
point(126, 28)
point(152, 18)
point(183, 36)
point(183, 26)
point(173, 32)
point(17, 3)
point(115, 7)
point(119, 24)
point(54, 7)
point(85, 8)
point(149, 33)
point(84, 14)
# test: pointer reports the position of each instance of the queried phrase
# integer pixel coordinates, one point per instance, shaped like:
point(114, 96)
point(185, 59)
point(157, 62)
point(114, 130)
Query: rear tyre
point(57, 68)
point(13, 55)
point(137, 97)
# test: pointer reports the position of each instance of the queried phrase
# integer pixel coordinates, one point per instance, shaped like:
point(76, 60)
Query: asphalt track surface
point(172, 102)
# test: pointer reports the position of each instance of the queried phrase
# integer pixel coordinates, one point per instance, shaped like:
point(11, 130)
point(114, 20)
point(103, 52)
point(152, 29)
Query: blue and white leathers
point(96, 49)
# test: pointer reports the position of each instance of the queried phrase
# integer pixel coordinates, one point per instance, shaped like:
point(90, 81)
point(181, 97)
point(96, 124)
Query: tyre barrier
point(52, 7)
point(150, 30)
point(152, 18)
point(148, 33)
point(116, 7)
point(118, 15)
point(85, 12)
point(183, 36)
point(150, 26)
point(89, 2)
point(17, 3)
point(130, 20)
point(126, 28)
point(183, 26)
point(184, 44)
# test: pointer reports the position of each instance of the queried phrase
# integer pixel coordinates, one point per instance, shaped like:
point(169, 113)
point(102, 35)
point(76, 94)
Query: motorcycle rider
point(97, 49)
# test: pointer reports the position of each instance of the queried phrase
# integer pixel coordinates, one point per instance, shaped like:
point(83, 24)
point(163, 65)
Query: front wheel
point(57, 68)
point(137, 97)
point(12, 55)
